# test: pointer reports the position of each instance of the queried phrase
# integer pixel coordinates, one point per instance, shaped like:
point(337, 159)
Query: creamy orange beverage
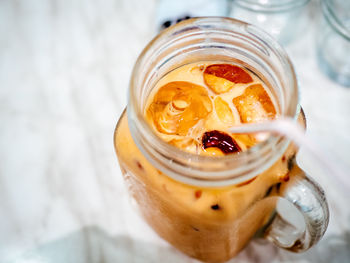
point(204, 190)
point(191, 108)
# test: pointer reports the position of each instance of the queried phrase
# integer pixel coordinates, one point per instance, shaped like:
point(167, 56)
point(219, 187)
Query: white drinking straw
point(289, 128)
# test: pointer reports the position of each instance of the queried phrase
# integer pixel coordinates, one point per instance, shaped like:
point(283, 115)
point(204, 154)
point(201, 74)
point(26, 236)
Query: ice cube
point(177, 106)
point(220, 78)
point(254, 105)
point(223, 111)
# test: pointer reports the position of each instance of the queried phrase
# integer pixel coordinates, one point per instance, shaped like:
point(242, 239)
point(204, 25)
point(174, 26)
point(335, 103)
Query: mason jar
point(211, 207)
point(333, 41)
point(285, 20)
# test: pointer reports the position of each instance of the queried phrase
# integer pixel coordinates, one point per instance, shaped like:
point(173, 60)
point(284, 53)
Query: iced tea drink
point(191, 108)
point(188, 110)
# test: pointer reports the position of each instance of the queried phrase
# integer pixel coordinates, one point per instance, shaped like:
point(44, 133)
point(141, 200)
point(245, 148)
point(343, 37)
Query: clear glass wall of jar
point(333, 43)
point(283, 19)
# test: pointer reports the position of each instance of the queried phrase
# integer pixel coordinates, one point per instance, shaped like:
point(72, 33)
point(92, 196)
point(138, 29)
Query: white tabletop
point(64, 71)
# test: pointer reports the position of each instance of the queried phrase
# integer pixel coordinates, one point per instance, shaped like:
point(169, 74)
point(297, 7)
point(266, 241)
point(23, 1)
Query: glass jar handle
point(307, 203)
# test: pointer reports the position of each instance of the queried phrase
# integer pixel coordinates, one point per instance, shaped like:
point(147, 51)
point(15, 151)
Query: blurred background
point(64, 73)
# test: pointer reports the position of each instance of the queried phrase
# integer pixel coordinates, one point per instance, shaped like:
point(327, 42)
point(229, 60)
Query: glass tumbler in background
point(283, 19)
point(333, 43)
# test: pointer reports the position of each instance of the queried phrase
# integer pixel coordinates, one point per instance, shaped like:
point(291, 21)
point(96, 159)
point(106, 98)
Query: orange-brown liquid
point(210, 224)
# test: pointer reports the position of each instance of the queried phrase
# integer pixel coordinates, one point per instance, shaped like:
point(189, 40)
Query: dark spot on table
point(166, 24)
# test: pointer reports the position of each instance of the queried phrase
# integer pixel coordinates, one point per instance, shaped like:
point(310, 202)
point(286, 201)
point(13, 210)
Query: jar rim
point(269, 6)
point(143, 133)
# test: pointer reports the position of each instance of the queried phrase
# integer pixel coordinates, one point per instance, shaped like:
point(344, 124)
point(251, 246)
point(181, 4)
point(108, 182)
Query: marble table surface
point(64, 72)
